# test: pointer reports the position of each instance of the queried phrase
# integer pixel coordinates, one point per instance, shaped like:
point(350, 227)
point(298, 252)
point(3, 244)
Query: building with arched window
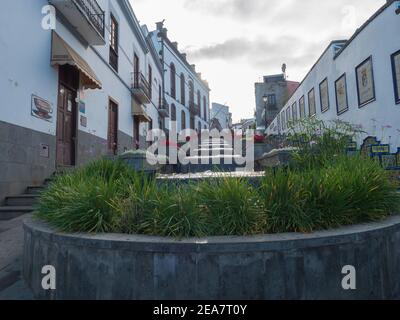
point(190, 94)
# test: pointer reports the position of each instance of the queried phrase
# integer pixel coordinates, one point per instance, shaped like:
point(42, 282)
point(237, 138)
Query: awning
point(139, 112)
point(62, 53)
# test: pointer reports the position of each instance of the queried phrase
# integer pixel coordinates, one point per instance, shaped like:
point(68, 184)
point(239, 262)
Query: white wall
point(380, 39)
point(25, 64)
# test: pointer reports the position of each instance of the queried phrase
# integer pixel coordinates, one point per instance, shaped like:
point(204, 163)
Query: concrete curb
point(283, 266)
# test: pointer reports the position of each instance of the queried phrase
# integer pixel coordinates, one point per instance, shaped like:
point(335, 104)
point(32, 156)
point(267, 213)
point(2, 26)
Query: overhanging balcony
point(86, 16)
point(141, 88)
point(163, 109)
point(194, 108)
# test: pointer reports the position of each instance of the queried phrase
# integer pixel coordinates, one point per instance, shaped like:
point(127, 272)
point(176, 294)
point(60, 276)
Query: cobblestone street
point(12, 287)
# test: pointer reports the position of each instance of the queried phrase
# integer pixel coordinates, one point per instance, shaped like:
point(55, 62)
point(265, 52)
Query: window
point(160, 105)
point(272, 101)
point(302, 107)
point(173, 112)
point(136, 70)
point(312, 109)
point(173, 81)
point(114, 43)
point(396, 75)
point(199, 102)
point(324, 95)
point(150, 82)
point(191, 92)
point(283, 121)
point(183, 89)
point(341, 95)
point(294, 111)
point(150, 136)
point(205, 108)
point(183, 120)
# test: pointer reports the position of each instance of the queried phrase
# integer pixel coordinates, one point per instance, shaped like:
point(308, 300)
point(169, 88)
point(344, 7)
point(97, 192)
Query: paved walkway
point(12, 287)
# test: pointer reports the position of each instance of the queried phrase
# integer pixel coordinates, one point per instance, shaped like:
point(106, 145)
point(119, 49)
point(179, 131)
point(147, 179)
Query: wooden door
point(113, 128)
point(66, 126)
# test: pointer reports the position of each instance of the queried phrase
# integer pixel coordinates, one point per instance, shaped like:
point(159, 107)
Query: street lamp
point(265, 99)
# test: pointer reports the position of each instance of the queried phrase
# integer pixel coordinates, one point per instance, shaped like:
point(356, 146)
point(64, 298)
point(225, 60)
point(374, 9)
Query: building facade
point(356, 81)
point(76, 85)
point(221, 113)
point(276, 89)
point(186, 94)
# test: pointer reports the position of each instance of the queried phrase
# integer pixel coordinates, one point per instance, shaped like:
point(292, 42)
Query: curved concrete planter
point(285, 266)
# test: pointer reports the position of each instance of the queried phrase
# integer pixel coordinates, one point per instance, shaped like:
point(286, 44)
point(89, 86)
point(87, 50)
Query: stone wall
point(288, 266)
point(90, 147)
point(21, 162)
point(125, 142)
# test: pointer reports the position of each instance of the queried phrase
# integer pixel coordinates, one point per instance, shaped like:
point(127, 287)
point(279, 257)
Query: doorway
point(113, 127)
point(67, 116)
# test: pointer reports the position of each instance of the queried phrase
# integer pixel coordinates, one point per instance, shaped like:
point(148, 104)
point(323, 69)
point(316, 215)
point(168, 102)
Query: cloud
point(259, 52)
point(238, 8)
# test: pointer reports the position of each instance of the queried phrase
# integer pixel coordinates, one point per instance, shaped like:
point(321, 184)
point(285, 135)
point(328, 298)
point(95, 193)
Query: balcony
point(86, 16)
point(163, 109)
point(141, 88)
point(194, 108)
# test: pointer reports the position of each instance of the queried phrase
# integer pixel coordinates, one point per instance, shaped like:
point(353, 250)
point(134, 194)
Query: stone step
point(22, 200)
point(12, 212)
point(35, 189)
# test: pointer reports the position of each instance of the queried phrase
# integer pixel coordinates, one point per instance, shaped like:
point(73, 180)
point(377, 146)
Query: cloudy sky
point(235, 42)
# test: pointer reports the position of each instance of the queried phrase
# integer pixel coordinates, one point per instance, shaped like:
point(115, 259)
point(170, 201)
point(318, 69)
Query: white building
point(245, 124)
point(89, 87)
point(357, 81)
point(222, 114)
point(186, 93)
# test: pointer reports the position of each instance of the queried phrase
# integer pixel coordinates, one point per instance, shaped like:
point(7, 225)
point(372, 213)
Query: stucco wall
point(287, 266)
point(171, 57)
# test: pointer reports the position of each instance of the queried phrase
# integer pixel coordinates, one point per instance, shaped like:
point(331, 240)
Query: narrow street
point(12, 287)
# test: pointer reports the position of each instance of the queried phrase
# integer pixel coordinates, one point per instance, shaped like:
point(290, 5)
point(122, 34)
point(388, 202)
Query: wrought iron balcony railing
point(94, 13)
point(85, 16)
point(163, 109)
point(141, 88)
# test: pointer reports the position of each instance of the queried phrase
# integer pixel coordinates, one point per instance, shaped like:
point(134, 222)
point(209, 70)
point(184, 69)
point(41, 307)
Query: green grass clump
point(232, 207)
point(348, 191)
point(107, 196)
point(87, 199)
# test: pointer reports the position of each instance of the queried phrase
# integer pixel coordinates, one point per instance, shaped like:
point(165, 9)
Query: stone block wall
point(21, 160)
